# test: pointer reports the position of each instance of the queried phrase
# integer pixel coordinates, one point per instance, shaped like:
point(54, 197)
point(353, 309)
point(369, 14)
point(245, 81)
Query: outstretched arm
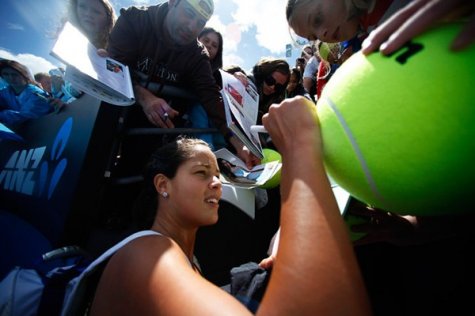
point(315, 271)
point(417, 17)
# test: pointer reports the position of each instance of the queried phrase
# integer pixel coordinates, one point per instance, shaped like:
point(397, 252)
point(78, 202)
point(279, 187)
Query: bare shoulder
point(138, 275)
point(146, 256)
point(152, 276)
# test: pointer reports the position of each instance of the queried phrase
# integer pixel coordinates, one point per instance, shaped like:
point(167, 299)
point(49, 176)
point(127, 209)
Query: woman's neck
point(183, 237)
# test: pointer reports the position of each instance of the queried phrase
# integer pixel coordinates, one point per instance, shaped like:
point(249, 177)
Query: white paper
point(101, 77)
point(241, 107)
point(242, 198)
point(244, 177)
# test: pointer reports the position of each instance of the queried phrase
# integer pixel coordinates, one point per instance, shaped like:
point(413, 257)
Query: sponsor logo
point(26, 171)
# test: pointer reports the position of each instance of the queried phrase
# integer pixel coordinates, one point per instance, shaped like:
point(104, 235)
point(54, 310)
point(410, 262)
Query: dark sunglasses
point(270, 81)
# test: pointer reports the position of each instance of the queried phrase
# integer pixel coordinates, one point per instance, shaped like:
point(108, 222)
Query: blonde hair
point(101, 39)
point(323, 51)
point(354, 7)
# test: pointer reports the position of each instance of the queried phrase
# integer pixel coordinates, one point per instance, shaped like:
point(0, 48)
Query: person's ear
point(160, 181)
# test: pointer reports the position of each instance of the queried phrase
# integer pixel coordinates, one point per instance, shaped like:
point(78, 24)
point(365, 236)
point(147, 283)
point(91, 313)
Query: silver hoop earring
point(164, 194)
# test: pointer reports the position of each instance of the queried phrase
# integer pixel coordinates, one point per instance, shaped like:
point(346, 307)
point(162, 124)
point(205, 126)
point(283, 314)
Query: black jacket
point(140, 41)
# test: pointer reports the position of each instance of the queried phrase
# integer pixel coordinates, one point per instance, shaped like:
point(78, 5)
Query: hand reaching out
point(267, 263)
point(417, 17)
point(242, 77)
point(160, 113)
point(382, 226)
point(249, 159)
point(102, 52)
point(244, 153)
point(156, 109)
point(293, 121)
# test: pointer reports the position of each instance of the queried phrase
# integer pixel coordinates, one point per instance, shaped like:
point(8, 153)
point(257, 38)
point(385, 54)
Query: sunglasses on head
point(270, 81)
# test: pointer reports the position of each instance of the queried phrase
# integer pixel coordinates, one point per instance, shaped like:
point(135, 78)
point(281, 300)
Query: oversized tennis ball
point(271, 155)
point(399, 132)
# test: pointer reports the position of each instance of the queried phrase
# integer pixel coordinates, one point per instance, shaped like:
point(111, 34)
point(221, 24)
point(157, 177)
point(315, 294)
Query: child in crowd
point(61, 89)
point(22, 98)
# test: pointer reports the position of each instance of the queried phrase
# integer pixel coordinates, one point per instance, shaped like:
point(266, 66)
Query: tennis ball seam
point(356, 149)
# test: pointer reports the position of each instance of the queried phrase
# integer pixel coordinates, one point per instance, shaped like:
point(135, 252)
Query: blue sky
point(251, 29)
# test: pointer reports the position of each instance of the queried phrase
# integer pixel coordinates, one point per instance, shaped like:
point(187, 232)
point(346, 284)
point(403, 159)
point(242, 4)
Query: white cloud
point(142, 2)
point(34, 63)
point(264, 17)
point(268, 16)
point(17, 27)
point(232, 59)
point(230, 32)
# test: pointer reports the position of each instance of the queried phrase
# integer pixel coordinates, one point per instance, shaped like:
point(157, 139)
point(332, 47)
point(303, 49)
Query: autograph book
point(102, 77)
point(234, 171)
point(241, 106)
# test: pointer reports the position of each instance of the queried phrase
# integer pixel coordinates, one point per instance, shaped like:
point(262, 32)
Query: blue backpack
point(62, 283)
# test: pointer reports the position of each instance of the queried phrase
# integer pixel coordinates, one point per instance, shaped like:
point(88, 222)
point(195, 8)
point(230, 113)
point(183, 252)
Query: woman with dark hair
point(295, 86)
point(22, 98)
point(157, 274)
point(270, 76)
point(212, 40)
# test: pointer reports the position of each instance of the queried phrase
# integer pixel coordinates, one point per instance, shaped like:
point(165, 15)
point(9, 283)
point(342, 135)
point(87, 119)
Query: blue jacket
point(32, 102)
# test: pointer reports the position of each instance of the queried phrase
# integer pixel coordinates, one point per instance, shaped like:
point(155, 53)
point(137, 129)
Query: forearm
point(141, 94)
point(315, 255)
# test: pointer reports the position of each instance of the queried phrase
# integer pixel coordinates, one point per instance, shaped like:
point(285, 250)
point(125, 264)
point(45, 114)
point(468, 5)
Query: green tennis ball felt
point(271, 155)
point(398, 132)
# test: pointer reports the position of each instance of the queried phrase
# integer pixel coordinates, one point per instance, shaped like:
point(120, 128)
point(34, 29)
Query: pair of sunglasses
point(270, 81)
